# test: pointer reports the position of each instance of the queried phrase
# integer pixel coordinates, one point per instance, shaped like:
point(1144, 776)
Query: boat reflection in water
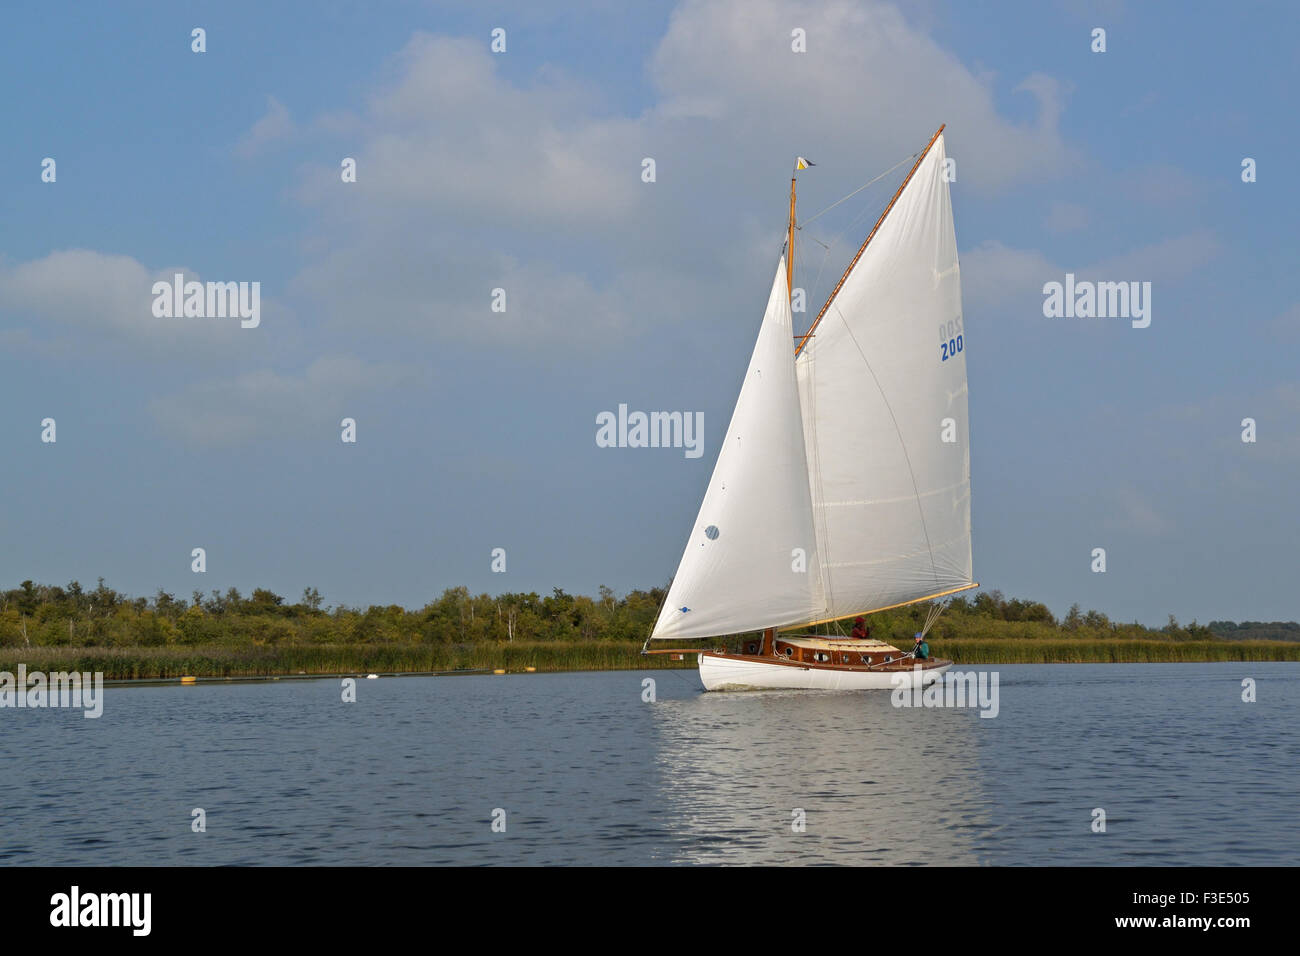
point(878, 784)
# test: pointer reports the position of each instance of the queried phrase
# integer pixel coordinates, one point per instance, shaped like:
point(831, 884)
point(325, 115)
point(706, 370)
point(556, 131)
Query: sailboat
point(842, 486)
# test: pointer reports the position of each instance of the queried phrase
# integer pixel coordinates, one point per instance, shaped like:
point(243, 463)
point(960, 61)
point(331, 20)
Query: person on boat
point(860, 629)
point(922, 650)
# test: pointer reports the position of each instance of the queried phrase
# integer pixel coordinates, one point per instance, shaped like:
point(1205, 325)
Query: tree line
point(49, 615)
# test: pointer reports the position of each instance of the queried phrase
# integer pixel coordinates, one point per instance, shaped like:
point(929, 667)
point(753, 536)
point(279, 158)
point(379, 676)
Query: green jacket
point(922, 651)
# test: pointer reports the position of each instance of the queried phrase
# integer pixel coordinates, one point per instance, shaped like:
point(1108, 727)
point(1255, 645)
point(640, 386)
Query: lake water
point(588, 773)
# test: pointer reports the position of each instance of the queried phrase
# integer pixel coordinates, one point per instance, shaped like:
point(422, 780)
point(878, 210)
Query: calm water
point(587, 773)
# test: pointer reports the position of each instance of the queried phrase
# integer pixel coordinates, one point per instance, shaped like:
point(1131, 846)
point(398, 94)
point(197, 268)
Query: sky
point(522, 170)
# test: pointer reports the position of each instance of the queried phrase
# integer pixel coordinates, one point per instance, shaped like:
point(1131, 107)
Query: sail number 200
point(950, 339)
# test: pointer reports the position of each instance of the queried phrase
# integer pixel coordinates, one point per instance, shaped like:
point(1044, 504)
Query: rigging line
point(866, 242)
point(859, 189)
point(932, 615)
point(852, 224)
point(836, 241)
point(826, 256)
point(679, 673)
point(646, 645)
point(906, 457)
point(821, 268)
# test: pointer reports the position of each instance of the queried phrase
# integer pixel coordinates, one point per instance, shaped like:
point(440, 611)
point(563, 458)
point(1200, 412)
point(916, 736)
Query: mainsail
point(882, 385)
point(843, 484)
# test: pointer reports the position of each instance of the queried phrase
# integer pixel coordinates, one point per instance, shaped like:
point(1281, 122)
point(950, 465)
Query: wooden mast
point(866, 242)
point(789, 248)
point(768, 643)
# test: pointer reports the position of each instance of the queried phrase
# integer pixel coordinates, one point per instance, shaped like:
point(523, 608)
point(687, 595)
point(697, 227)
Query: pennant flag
point(801, 163)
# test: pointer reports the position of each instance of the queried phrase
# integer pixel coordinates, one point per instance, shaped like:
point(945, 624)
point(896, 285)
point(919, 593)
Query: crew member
point(860, 629)
point(922, 650)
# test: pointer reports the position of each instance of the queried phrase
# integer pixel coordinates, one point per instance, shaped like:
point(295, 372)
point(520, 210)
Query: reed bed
point(286, 660)
point(1112, 651)
point(169, 662)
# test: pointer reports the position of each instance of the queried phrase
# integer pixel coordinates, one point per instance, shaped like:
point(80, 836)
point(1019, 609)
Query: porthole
point(788, 652)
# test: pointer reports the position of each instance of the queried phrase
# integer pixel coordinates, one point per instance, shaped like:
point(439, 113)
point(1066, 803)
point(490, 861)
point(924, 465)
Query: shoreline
point(267, 678)
point(137, 665)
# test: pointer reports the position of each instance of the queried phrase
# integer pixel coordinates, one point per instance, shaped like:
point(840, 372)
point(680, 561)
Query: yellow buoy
point(188, 680)
point(498, 671)
point(531, 670)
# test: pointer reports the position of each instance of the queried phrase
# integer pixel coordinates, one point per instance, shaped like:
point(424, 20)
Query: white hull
point(730, 673)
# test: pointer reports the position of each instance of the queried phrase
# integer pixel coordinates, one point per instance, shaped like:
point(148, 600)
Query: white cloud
point(468, 180)
point(275, 126)
point(76, 291)
point(266, 404)
point(870, 89)
point(994, 274)
point(434, 287)
point(452, 135)
point(1160, 261)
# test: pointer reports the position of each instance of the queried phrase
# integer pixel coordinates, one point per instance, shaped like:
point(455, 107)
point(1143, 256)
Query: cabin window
point(866, 659)
point(821, 658)
point(788, 651)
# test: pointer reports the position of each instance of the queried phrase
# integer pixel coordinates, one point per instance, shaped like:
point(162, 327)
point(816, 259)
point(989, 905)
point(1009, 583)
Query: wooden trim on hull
point(903, 665)
point(734, 672)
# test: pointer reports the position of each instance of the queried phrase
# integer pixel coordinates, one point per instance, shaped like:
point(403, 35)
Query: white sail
point(751, 559)
point(882, 385)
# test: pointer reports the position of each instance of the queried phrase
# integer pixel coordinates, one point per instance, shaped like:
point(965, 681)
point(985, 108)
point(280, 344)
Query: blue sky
point(476, 430)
